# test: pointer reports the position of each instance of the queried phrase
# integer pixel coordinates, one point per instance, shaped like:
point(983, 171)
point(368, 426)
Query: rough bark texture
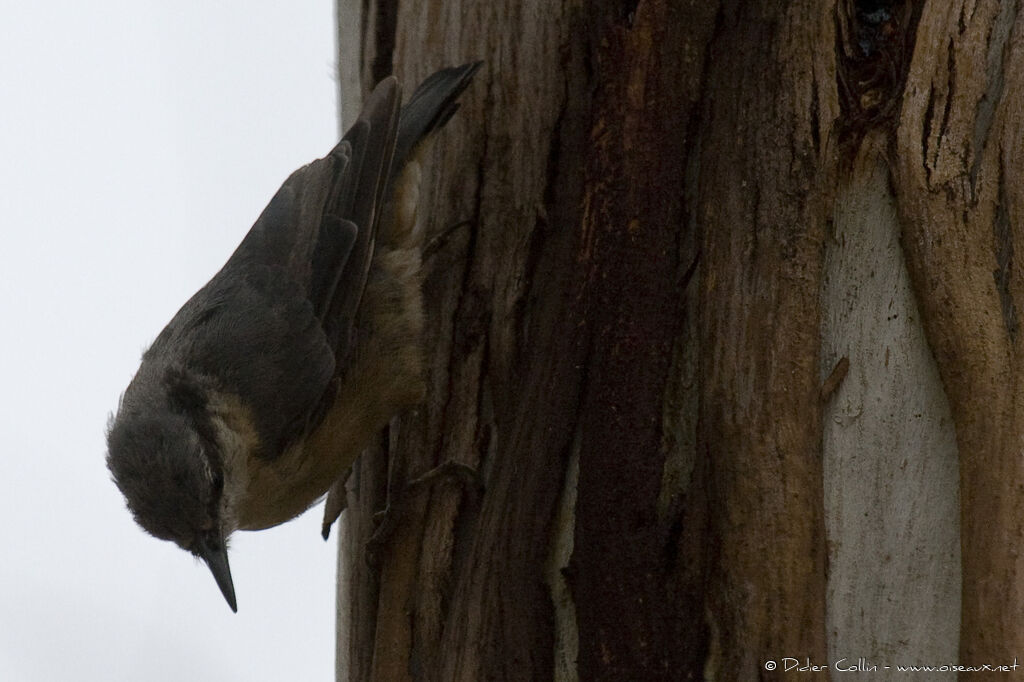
point(503, 342)
point(765, 174)
point(958, 157)
point(669, 320)
point(629, 605)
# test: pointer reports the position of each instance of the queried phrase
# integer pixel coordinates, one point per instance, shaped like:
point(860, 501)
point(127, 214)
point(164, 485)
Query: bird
point(267, 384)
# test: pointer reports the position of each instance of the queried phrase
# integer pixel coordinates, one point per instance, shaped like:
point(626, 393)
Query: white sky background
point(138, 143)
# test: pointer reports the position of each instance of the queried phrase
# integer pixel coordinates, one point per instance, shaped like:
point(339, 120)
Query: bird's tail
point(429, 108)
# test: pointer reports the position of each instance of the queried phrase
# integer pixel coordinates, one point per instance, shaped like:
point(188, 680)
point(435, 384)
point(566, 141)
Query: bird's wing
point(320, 226)
point(275, 324)
point(253, 336)
point(359, 202)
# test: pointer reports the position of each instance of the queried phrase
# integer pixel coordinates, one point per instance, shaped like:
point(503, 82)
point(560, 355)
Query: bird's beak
point(214, 552)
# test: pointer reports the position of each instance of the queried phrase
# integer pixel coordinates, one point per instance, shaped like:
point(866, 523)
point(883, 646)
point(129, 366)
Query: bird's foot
point(388, 518)
point(440, 240)
point(335, 504)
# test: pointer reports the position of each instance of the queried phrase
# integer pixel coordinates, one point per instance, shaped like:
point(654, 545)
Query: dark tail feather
point(429, 109)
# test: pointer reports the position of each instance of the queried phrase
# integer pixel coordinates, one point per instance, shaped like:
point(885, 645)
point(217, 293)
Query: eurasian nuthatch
point(266, 385)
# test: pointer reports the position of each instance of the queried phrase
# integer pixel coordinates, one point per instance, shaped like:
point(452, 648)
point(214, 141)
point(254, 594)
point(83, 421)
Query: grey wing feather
point(320, 225)
point(362, 204)
point(267, 327)
point(257, 334)
point(274, 326)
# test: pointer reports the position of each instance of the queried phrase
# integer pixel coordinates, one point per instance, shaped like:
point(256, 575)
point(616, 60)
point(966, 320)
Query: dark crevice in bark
point(951, 78)
point(635, 176)
point(874, 44)
point(364, 38)
point(628, 12)
point(1003, 274)
point(926, 127)
point(460, 339)
point(815, 119)
point(387, 20)
point(998, 45)
point(538, 239)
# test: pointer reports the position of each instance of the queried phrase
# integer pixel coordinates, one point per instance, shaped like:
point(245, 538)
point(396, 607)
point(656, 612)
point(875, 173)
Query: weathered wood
point(766, 172)
point(958, 163)
point(659, 224)
point(630, 609)
point(889, 447)
point(501, 344)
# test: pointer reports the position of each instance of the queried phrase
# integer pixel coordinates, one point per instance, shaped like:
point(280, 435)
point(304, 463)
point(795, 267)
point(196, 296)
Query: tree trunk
point(725, 318)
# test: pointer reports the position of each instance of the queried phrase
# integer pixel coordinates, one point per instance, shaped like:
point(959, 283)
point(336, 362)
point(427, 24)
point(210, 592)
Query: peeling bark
point(503, 345)
point(667, 225)
point(764, 200)
point(960, 209)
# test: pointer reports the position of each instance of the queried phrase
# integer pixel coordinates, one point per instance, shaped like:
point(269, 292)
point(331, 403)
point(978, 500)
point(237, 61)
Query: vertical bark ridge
point(961, 213)
point(764, 203)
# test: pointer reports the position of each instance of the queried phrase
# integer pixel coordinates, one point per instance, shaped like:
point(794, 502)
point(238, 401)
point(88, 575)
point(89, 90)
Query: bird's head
point(173, 483)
